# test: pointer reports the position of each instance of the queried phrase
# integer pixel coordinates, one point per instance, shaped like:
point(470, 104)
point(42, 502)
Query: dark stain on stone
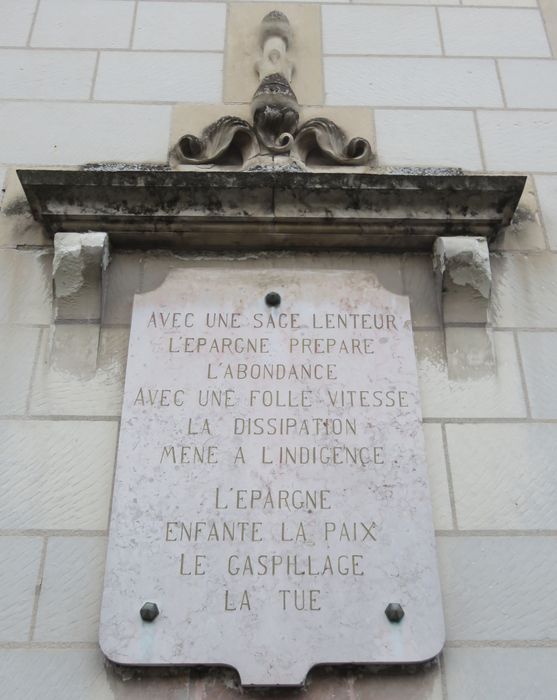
point(18, 207)
point(112, 166)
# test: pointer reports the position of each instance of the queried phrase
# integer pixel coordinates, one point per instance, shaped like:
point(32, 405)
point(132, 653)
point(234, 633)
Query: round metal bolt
point(149, 612)
point(272, 299)
point(394, 612)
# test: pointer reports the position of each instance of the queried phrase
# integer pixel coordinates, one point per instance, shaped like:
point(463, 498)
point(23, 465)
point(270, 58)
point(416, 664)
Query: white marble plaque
point(271, 492)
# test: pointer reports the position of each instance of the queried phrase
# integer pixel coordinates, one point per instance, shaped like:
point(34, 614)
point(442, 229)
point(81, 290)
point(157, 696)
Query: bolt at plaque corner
point(149, 611)
point(394, 612)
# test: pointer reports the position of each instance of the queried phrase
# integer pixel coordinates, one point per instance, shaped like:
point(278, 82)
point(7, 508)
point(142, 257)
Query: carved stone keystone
point(80, 261)
point(275, 112)
point(463, 273)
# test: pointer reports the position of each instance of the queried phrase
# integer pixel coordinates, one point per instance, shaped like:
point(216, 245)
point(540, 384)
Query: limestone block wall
point(464, 83)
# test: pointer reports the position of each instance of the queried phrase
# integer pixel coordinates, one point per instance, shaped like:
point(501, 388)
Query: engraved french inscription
point(271, 491)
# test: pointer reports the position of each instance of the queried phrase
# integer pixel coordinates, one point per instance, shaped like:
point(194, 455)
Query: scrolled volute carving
point(216, 142)
point(328, 142)
point(276, 113)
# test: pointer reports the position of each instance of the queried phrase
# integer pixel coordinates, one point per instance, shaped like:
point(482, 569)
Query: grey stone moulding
point(271, 209)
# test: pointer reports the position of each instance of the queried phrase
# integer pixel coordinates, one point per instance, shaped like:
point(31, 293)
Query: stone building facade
point(468, 84)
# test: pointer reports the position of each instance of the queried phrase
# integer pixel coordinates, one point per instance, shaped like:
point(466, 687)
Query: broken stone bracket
point(463, 279)
point(463, 274)
point(78, 274)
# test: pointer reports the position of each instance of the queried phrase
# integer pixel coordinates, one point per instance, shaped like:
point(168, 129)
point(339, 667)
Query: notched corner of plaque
point(267, 678)
point(389, 284)
point(383, 277)
point(158, 280)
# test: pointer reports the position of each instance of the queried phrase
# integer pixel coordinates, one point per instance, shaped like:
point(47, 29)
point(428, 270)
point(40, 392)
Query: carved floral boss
point(275, 111)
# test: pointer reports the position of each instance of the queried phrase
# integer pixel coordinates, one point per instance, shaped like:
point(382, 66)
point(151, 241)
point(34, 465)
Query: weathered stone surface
point(488, 592)
point(65, 674)
point(385, 268)
point(549, 14)
point(74, 133)
point(463, 275)
point(192, 26)
point(80, 262)
point(184, 459)
point(436, 138)
point(243, 45)
point(546, 186)
point(419, 284)
point(91, 24)
point(519, 140)
point(348, 684)
point(17, 17)
point(18, 348)
point(231, 210)
point(25, 286)
point(513, 674)
point(193, 119)
point(46, 74)
point(17, 225)
point(492, 32)
point(525, 232)
point(144, 76)
point(411, 82)
point(3, 172)
point(123, 279)
point(504, 476)
point(71, 589)
point(496, 3)
point(380, 30)
point(21, 557)
point(538, 350)
point(435, 453)
point(57, 474)
point(464, 387)
point(79, 372)
point(524, 292)
point(274, 130)
point(470, 355)
point(522, 91)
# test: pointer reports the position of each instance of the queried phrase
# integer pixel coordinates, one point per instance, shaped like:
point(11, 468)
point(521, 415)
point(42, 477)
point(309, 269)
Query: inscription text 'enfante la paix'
point(271, 489)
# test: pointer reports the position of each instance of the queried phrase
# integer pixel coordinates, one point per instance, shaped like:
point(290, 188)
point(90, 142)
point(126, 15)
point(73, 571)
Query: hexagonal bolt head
point(394, 612)
point(272, 299)
point(149, 612)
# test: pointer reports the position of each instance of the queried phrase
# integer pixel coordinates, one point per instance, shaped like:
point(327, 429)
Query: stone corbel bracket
point(80, 263)
point(463, 275)
point(275, 114)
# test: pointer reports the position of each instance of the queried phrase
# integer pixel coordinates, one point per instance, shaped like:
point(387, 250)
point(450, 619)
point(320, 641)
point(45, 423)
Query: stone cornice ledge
point(272, 209)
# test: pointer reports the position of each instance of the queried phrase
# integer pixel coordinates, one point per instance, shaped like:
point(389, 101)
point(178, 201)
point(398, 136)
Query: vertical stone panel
point(70, 597)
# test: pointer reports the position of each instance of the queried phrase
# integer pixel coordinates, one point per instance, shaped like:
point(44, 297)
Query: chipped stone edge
point(78, 275)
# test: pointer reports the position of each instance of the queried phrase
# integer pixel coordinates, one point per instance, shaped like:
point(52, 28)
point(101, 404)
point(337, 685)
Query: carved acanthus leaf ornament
point(276, 113)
